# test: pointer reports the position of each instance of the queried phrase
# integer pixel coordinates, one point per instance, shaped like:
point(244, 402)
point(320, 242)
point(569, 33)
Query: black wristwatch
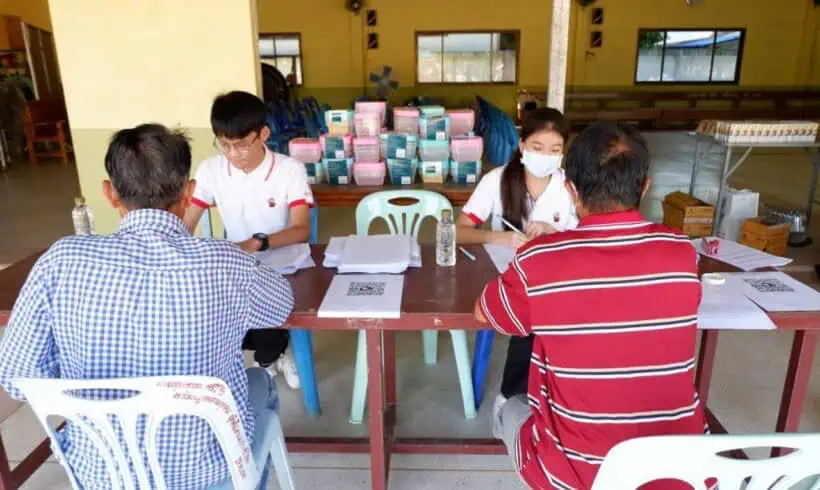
point(262, 237)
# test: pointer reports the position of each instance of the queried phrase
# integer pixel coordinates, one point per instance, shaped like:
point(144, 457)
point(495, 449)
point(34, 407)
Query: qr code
point(769, 285)
point(366, 289)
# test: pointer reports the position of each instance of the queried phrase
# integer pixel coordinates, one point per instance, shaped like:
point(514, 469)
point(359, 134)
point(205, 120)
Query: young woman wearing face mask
point(528, 192)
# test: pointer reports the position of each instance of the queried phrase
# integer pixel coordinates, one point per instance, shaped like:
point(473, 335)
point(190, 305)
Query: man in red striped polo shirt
point(613, 305)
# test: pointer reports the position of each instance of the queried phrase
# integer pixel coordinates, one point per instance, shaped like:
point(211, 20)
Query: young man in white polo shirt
point(263, 197)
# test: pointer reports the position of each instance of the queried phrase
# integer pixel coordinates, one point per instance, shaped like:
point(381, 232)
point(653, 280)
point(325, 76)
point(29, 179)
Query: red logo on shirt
point(556, 217)
point(271, 203)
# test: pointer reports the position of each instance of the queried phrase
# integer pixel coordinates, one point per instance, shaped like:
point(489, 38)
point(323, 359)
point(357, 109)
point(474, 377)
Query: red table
point(443, 298)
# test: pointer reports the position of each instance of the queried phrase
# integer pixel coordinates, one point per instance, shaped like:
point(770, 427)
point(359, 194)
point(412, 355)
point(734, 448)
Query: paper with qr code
point(363, 296)
point(775, 291)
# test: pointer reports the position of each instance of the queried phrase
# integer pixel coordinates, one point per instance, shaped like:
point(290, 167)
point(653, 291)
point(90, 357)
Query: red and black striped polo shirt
point(613, 305)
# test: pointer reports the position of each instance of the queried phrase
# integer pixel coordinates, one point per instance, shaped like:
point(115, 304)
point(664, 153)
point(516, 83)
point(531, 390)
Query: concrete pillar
point(126, 62)
point(559, 42)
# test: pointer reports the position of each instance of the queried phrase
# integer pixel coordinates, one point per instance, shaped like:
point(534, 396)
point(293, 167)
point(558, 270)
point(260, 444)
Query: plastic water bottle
point(446, 240)
point(82, 217)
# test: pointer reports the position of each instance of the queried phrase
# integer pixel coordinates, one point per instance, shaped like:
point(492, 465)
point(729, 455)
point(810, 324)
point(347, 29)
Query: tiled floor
point(34, 210)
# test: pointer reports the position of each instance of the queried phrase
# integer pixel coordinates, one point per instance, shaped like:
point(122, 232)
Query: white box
point(738, 206)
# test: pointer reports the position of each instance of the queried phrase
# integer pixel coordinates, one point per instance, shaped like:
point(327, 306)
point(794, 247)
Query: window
point(467, 57)
point(284, 51)
point(689, 56)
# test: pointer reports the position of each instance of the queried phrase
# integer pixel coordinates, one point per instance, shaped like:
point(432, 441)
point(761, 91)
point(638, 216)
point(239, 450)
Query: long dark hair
point(513, 180)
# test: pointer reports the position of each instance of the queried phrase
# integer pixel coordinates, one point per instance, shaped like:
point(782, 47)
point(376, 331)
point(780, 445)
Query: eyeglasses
point(242, 147)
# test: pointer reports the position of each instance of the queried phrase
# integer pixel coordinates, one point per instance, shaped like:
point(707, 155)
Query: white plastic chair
point(155, 398)
point(694, 460)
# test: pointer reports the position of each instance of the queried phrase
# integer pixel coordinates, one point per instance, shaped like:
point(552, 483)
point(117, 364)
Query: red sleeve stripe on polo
point(298, 202)
point(475, 219)
point(200, 203)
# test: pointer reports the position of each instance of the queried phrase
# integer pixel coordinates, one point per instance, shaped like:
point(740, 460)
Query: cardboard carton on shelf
point(762, 235)
point(688, 214)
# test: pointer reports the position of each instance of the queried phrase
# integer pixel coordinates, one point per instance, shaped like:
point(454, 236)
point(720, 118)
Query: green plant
point(650, 39)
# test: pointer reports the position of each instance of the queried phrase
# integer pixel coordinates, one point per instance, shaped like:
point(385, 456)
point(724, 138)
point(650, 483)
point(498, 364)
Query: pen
point(468, 254)
point(510, 226)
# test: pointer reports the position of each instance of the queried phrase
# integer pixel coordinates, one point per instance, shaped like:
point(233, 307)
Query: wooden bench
point(664, 109)
point(46, 122)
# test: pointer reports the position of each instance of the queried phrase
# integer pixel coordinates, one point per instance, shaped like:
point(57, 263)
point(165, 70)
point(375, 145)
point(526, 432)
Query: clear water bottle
point(446, 240)
point(82, 217)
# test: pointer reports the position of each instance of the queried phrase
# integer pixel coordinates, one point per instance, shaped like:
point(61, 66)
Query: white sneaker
point(271, 368)
point(287, 366)
point(500, 400)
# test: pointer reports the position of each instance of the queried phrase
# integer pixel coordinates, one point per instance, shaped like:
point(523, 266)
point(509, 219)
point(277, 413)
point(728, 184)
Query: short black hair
point(149, 166)
point(608, 164)
point(237, 114)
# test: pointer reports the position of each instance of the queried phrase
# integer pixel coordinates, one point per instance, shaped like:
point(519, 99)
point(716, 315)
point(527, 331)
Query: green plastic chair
point(407, 220)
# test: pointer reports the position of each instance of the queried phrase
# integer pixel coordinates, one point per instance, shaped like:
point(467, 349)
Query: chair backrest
point(154, 398)
point(44, 111)
point(695, 459)
point(206, 225)
point(401, 220)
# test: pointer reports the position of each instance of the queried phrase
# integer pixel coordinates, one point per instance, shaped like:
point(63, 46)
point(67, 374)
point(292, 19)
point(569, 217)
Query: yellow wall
point(165, 65)
point(34, 12)
point(780, 48)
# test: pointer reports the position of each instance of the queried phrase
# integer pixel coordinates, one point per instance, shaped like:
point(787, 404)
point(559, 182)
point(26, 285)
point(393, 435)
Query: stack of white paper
point(287, 260)
point(500, 255)
point(363, 296)
point(743, 257)
point(336, 249)
point(775, 291)
point(726, 307)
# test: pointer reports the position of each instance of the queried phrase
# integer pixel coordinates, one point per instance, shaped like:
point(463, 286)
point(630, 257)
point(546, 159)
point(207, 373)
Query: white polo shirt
point(553, 206)
point(255, 202)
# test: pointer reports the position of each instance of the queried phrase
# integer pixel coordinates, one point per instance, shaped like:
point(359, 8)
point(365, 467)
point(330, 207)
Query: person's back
point(613, 305)
point(149, 300)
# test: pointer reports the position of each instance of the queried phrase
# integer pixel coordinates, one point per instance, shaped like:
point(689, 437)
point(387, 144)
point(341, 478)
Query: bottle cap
point(79, 201)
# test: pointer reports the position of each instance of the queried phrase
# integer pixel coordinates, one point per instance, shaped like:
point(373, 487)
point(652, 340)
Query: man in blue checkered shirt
point(148, 300)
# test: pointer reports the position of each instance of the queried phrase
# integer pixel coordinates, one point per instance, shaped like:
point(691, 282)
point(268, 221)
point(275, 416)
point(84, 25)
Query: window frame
point(514, 32)
point(274, 35)
point(715, 30)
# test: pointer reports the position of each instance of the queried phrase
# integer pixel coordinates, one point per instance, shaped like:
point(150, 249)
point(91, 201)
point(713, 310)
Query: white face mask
point(539, 164)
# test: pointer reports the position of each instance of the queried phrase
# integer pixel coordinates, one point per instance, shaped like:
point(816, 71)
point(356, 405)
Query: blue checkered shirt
point(149, 300)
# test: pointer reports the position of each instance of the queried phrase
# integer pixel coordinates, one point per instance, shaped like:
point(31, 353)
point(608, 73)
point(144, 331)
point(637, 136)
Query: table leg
point(376, 409)
point(695, 166)
point(390, 368)
point(797, 382)
point(815, 171)
point(724, 181)
point(706, 362)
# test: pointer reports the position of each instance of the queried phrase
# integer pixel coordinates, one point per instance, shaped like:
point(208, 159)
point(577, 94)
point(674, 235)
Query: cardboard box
point(688, 214)
point(773, 239)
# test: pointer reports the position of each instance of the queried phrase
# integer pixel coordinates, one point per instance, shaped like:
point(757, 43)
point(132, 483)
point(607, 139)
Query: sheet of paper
point(500, 255)
point(363, 296)
point(289, 259)
point(775, 291)
point(743, 257)
point(725, 307)
point(333, 252)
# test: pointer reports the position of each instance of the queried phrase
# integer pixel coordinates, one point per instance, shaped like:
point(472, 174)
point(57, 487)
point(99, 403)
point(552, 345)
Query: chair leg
point(32, 154)
point(302, 345)
point(279, 457)
point(459, 338)
point(359, 382)
point(430, 341)
point(481, 363)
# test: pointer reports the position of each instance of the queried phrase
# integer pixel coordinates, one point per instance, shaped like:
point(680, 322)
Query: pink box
point(346, 151)
point(379, 107)
point(367, 124)
point(462, 121)
point(712, 246)
point(366, 149)
point(369, 173)
point(467, 148)
point(305, 150)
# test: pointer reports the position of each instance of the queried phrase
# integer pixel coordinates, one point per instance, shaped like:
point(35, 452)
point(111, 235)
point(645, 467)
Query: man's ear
point(111, 194)
point(188, 193)
point(646, 185)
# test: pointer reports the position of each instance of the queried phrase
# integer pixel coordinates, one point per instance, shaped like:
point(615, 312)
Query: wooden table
point(342, 196)
point(440, 299)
